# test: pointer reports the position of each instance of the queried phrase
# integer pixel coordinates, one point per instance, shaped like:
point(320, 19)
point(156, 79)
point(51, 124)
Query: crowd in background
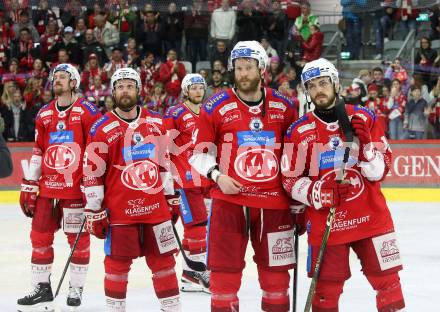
point(166, 40)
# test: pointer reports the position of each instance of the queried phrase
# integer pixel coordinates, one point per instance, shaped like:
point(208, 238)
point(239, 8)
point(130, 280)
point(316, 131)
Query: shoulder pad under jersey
point(296, 124)
point(94, 128)
point(214, 101)
point(175, 111)
point(278, 95)
point(89, 106)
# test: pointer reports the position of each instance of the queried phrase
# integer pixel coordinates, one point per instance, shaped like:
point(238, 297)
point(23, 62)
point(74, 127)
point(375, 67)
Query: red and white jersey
point(183, 120)
point(314, 150)
point(248, 142)
point(60, 138)
point(126, 158)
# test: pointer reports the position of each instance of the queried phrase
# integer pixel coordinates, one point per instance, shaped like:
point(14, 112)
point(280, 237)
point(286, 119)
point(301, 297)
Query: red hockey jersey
point(182, 120)
point(249, 144)
point(60, 138)
point(126, 158)
point(314, 149)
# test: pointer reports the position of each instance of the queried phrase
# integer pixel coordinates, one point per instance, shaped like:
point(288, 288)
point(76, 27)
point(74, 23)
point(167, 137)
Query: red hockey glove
point(28, 197)
point(298, 215)
point(362, 131)
point(327, 194)
point(96, 222)
point(174, 205)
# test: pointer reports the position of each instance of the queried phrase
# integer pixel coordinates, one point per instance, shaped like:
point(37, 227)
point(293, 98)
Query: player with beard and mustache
point(313, 150)
point(54, 174)
point(237, 144)
point(192, 189)
point(127, 189)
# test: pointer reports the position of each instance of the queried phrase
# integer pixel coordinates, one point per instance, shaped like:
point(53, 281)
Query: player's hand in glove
point(174, 205)
point(327, 194)
point(96, 222)
point(362, 131)
point(28, 197)
point(298, 215)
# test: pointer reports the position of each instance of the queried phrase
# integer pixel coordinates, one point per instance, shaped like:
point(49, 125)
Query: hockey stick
point(193, 265)
point(345, 125)
point(295, 271)
point(70, 257)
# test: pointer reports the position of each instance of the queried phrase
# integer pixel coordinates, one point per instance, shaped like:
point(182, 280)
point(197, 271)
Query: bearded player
point(192, 188)
point(314, 148)
point(237, 144)
point(126, 205)
point(50, 193)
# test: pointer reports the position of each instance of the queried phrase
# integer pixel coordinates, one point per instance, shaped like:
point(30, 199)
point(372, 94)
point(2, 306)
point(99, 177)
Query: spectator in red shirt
point(24, 50)
point(171, 74)
point(273, 76)
point(49, 40)
point(97, 92)
point(149, 72)
point(33, 91)
point(312, 48)
point(92, 69)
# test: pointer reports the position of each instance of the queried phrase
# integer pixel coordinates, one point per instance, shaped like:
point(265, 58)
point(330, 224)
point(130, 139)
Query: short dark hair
point(377, 69)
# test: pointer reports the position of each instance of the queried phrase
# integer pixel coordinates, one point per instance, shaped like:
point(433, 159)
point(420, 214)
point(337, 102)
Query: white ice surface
point(418, 230)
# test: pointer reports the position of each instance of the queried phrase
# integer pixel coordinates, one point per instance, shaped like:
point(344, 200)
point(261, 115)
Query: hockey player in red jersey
point(312, 155)
point(180, 121)
point(237, 144)
point(50, 193)
point(123, 183)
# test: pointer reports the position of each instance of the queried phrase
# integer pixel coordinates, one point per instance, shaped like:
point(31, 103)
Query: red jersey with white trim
point(131, 155)
point(60, 138)
point(182, 119)
point(249, 145)
point(314, 149)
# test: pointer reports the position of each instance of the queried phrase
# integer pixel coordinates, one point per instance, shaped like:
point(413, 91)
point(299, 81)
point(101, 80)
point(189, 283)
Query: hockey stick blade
point(193, 265)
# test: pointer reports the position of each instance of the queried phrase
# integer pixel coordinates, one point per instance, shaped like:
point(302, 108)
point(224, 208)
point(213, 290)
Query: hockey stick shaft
point(193, 265)
point(345, 125)
point(295, 272)
point(70, 257)
point(317, 268)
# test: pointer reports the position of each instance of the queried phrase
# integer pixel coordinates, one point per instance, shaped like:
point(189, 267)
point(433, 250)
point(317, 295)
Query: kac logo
point(59, 157)
point(257, 165)
point(141, 175)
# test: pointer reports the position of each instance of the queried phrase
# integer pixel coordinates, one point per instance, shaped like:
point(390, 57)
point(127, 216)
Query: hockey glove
point(327, 194)
point(174, 205)
point(96, 222)
point(362, 131)
point(28, 197)
point(298, 215)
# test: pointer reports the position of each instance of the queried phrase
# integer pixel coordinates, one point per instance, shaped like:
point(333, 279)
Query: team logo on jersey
point(256, 124)
point(137, 138)
point(62, 114)
point(257, 165)
point(254, 110)
point(351, 175)
point(335, 143)
point(61, 125)
point(141, 175)
point(59, 157)
point(332, 127)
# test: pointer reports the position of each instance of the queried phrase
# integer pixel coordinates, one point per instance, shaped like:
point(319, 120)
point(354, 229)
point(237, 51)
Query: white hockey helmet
point(320, 68)
point(192, 79)
point(71, 70)
point(249, 49)
point(125, 73)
